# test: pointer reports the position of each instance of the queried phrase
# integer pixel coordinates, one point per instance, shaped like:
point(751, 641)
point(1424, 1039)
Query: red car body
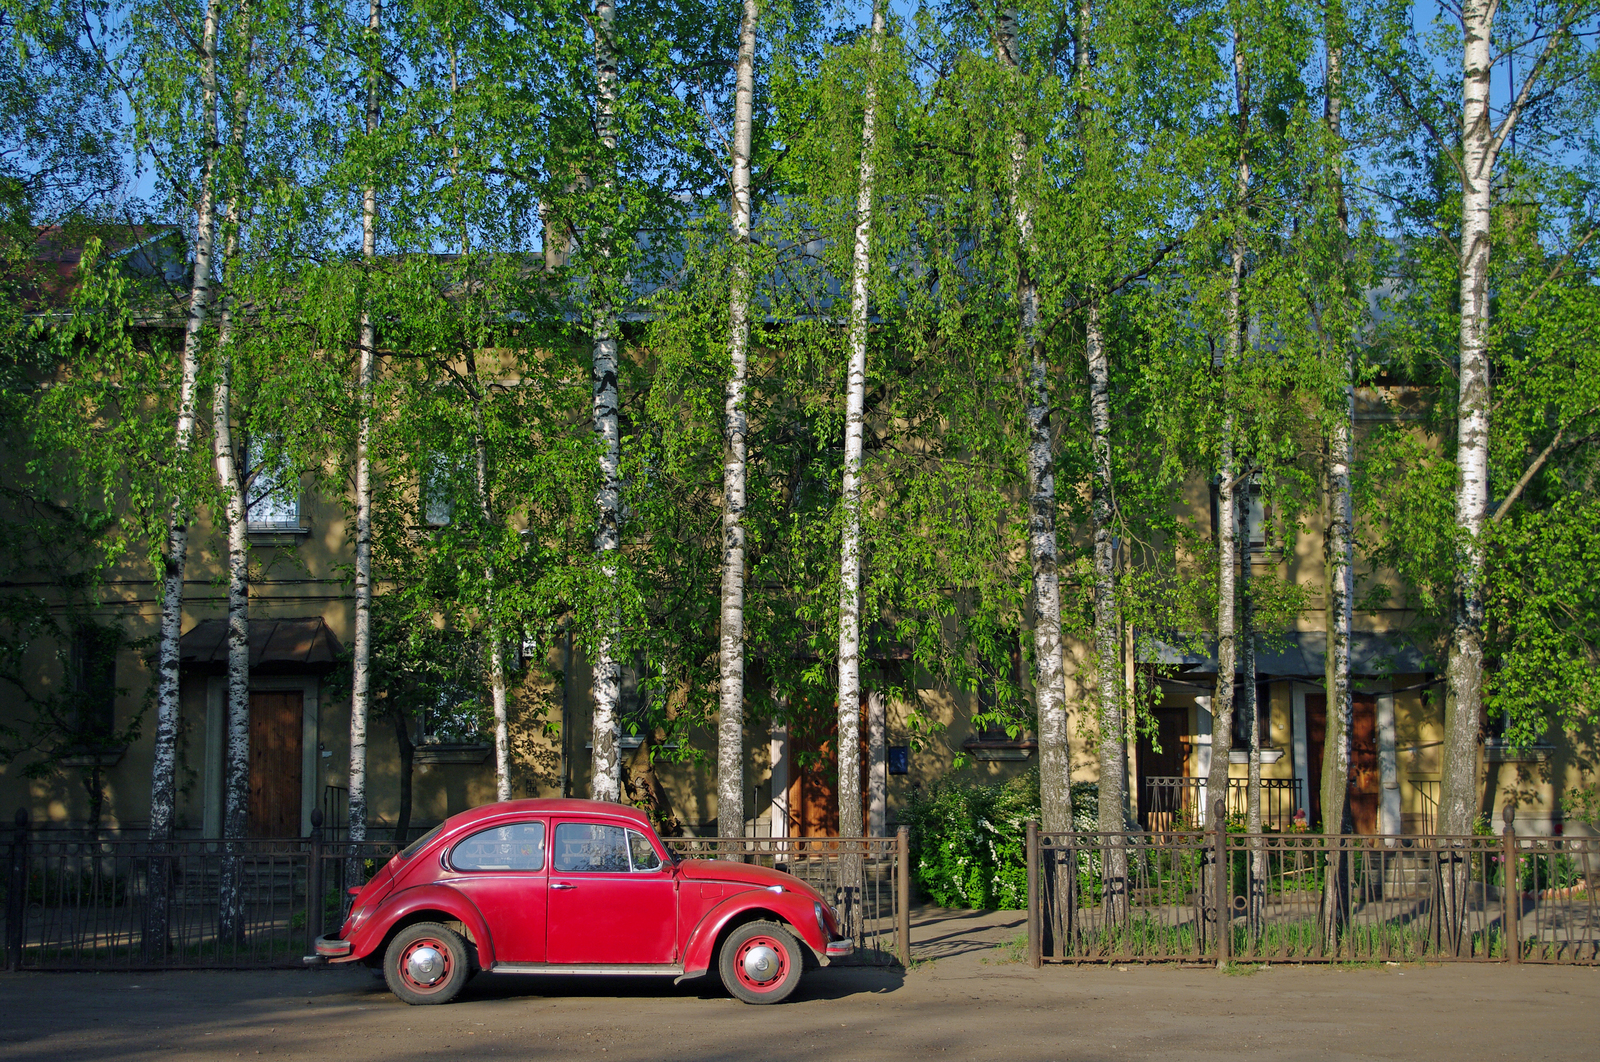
point(544, 886)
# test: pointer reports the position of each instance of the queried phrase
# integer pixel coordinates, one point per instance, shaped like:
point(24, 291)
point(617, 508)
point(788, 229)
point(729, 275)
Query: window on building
point(999, 692)
point(272, 487)
point(455, 718)
point(1256, 520)
point(94, 681)
point(441, 483)
point(1241, 733)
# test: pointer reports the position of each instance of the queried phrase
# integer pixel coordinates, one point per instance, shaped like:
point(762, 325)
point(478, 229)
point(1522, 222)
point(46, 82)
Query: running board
point(612, 969)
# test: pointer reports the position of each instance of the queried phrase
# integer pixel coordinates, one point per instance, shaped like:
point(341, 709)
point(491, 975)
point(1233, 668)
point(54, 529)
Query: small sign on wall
point(899, 759)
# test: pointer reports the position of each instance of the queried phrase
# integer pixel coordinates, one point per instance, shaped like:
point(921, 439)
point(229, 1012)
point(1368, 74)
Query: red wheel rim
point(782, 970)
point(404, 965)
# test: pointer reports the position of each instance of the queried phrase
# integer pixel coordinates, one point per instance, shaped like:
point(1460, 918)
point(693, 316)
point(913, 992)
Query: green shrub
point(969, 841)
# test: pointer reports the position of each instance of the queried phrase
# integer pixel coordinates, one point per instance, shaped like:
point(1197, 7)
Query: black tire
point(414, 976)
point(761, 978)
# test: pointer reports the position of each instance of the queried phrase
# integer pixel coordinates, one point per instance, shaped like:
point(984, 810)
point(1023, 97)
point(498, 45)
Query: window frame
point(545, 859)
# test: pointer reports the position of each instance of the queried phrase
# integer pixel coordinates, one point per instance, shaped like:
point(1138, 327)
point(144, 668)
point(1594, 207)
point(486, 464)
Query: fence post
point(902, 900)
point(1223, 890)
point(1035, 901)
point(17, 891)
point(314, 925)
point(1510, 897)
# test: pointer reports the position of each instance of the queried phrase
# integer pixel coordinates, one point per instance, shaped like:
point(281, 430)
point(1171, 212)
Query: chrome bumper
point(332, 948)
point(838, 949)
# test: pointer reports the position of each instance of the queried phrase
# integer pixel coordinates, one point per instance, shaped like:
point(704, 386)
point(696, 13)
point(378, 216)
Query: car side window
point(519, 846)
point(584, 847)
point(642, 852)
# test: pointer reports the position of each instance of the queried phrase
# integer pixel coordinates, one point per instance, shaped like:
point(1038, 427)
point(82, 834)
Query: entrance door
point(1159, 805)
point(1364, 763)
point(275, 762)
point(814, 784)
point(1363, 785)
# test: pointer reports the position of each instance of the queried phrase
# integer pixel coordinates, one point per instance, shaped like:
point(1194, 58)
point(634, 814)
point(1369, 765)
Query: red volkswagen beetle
point(578, 887)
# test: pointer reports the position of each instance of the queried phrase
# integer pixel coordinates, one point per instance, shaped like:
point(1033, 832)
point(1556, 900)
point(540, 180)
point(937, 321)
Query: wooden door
point(275, 762)
point(1316, 739)
point(1172, 731)
point(1363, 785)
point(1364, 763)
point(814, 783)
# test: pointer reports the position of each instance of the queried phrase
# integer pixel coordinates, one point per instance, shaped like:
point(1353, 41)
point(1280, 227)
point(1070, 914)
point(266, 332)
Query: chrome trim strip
point(612, 969)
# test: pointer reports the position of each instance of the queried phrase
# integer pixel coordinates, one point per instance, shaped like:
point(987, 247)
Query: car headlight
point(822, 922)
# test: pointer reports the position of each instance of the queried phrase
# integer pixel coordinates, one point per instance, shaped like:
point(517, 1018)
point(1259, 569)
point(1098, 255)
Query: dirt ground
point(966, 997)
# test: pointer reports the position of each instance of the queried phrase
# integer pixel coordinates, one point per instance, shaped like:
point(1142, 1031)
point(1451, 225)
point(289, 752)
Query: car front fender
point(796, 909)
point(400, 907)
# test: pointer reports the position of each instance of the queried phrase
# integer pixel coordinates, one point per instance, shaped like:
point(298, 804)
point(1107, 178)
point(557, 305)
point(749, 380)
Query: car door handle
point(561, 885)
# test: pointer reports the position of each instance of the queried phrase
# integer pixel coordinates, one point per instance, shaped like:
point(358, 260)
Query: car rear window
point(421, 842)
point(519, 846)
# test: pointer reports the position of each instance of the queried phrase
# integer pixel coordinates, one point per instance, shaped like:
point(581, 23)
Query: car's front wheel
point(760, 962)
point(426, 963)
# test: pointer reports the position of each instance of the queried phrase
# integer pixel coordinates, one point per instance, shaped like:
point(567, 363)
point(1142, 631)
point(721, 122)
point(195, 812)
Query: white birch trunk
point(1340, 539)
point(730, 716)
point(163, 767)
point(1055, 767)
point(361, 665)
point(606, 723)
point(1251, 708)
point(495, 636)
point(850, 806)
point(1464, 671)
point(236, 756)
point(1228, 468)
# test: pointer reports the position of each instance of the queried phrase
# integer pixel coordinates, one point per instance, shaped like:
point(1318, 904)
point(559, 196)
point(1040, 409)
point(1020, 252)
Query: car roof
point(548, 806)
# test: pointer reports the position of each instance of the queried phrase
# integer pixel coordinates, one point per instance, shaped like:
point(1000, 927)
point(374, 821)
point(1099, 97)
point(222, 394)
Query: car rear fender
point(794, 909)
point(422, 903)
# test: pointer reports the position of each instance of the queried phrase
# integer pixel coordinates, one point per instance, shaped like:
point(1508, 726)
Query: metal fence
point(1172, 802)
point(141, 904)
point(866, 879)
point(1218, 896)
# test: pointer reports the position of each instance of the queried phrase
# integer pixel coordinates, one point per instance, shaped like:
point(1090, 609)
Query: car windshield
point(421, 842)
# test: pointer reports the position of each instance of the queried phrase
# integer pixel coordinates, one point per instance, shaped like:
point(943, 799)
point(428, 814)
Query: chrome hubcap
point(425, 965)
point(761, 963)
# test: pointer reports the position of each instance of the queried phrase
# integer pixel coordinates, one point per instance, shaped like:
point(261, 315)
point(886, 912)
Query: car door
point(613, 897)
point(502, 869)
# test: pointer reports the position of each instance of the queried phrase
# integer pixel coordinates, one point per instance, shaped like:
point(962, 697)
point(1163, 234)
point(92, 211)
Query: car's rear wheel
point(426, 963)
point(760, 962)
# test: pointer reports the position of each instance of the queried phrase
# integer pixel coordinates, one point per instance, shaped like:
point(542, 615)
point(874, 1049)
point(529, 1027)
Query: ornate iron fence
point(1218, 896)
point(1172, 802)
point(865, 878)
point(141, 904)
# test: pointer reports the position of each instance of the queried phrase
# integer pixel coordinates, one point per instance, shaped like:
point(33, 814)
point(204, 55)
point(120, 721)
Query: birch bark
point(850, 806)
point(366, 373)
point(1464, 669)
point(163, 768)
point(730, 716)
point(1340, 542)
point(1055, 778)
point(236, 765)
point(1227, 462)
point(1250, 706)
point(606, 723)
point(495, 636)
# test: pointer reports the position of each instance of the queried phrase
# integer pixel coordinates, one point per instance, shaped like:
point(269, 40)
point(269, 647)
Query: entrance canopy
point(277, 646)
point(1293, 655)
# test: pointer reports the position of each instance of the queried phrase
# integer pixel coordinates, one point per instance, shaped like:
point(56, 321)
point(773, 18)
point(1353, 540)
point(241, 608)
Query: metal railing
point(1215, 896)
point(1172, 802)
point(866, 879)
point(142, 904)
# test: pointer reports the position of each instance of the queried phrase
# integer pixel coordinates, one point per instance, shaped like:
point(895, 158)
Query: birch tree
point(606, 724)
point(731, 647)
point(230, 484)
point(366, 378)
point(1055, 766)
point(163, 766)
point(1230, 473)
point(850, 803)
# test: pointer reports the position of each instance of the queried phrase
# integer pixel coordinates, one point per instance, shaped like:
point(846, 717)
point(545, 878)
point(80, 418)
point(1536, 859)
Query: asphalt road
point(964, 998)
